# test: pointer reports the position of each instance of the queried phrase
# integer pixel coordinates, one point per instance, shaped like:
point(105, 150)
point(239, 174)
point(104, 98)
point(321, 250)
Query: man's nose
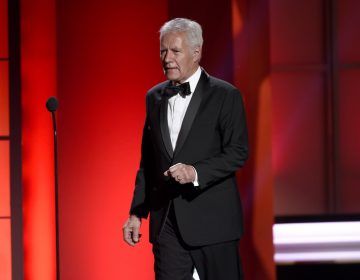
point(167, 57)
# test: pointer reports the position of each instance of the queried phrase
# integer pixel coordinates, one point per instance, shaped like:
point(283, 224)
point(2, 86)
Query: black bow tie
point(182, 89)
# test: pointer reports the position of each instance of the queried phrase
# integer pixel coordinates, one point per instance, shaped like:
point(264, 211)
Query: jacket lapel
point(191, 112)
point(164, 126)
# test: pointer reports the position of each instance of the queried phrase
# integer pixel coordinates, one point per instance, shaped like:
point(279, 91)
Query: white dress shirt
point(177, 106)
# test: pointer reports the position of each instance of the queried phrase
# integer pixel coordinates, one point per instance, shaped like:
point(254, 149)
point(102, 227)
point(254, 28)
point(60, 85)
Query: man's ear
point(197, 54)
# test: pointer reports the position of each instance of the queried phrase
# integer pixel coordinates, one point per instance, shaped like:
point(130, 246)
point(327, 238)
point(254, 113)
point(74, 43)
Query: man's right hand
point(131, 230)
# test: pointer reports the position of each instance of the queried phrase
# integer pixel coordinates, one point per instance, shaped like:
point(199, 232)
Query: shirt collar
point(194, 79)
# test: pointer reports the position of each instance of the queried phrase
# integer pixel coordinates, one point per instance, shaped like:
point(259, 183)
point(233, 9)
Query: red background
point(296, 62)
point(107, 60)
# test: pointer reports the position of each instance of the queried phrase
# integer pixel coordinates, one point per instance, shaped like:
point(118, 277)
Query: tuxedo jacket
point(213, 139)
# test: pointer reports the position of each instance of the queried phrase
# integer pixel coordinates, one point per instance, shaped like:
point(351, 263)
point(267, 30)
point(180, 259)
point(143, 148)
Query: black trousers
point(175, 260)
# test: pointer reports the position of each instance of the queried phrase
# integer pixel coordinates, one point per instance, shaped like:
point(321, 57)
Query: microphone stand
point(56, 198)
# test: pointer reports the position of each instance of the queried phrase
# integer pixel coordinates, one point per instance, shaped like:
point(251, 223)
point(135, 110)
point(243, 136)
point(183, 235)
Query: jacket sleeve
point(234, 143)
point(139, 204)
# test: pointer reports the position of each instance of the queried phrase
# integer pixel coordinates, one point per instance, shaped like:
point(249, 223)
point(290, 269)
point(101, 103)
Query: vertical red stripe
point(5, 219)
point(263, 215)
point(4, 180)
point(4, 98)
point(3, 28)
point(5, 249)
point(5, 230)
point(38, 81)
point(252, 76)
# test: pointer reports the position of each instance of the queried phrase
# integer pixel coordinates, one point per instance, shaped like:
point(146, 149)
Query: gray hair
point(192, 29)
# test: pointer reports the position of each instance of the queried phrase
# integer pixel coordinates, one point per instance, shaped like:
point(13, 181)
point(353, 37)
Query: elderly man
point(194, 140)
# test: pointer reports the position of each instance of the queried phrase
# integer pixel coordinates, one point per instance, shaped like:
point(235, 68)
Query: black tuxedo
point(213, 139)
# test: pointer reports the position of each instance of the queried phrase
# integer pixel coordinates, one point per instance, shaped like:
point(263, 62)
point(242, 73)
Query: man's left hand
point(182, 173)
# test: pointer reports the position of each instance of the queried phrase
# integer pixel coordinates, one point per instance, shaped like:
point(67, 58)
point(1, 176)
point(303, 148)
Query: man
point(194, 140)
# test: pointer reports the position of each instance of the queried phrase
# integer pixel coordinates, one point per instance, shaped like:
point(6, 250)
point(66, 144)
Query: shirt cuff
point(195, 182)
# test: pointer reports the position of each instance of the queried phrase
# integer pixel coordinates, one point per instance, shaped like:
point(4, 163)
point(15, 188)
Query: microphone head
point(52, 104)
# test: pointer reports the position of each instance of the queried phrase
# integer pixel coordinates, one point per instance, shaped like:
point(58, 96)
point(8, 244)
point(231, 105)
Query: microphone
point(52, 104)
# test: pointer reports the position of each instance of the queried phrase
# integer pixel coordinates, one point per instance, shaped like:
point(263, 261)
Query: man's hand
point(182, 173)
point(131, 230)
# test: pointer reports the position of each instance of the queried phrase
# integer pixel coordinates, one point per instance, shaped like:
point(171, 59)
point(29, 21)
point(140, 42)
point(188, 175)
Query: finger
point(127, 237)
point(184, 181)
point(171, 170)
point(188, 174)
point(175, 167)
point(135, 234)
point(177, 174)
point(136, 241)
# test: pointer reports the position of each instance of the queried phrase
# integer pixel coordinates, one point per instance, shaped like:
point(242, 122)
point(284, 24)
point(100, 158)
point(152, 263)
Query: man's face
point(178, 59)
